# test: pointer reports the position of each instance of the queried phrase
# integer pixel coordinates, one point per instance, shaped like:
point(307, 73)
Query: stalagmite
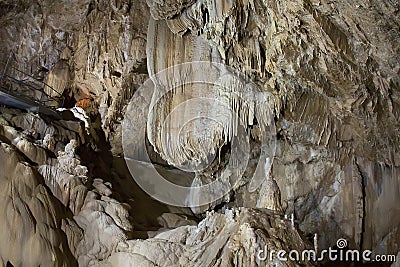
point(316, 243)
point(292, 219)
point(270, 196)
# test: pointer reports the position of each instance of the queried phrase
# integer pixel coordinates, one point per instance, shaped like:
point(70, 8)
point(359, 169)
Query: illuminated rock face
point(234, 238)
point(30, 231)
point(199, 106)
point(327, 75)
point(331, 88)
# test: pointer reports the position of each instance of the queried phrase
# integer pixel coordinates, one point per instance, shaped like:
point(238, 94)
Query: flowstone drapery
point(207, 119)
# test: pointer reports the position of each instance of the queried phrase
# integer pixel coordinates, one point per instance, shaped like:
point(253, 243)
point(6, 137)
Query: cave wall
point(332, 68)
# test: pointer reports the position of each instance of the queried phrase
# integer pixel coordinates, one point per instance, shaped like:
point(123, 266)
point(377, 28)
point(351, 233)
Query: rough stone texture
point(31, 226)
point(63, 216)
point(100, 46)
point(332, 68)
point(99, 222)
point(335, 73)
point(230, 239)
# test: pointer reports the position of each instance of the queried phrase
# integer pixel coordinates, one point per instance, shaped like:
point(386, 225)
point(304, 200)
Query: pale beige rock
point(58, 79)
point(332, 68)
point(230, 239)
point(99, 221)
point(31, 228)
point(327, 65)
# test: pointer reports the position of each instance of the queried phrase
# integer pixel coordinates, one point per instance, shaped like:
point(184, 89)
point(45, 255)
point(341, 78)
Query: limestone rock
point(99, 222)
point(330, 70)
point(58, 79)
point(167, 9)
point(31, 228)
point(330, 96)
point(230, 239)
